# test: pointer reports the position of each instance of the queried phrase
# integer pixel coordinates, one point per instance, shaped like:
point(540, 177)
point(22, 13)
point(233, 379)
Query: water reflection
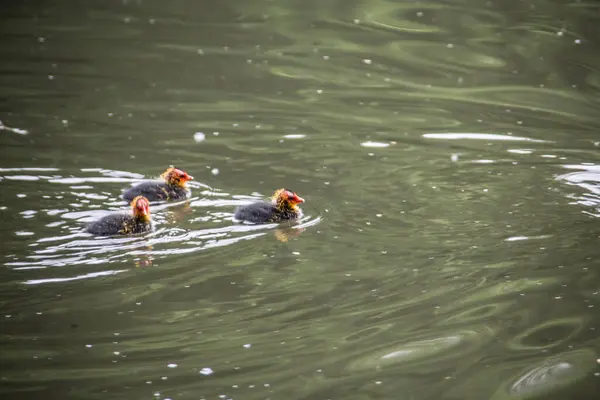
point(588, 179)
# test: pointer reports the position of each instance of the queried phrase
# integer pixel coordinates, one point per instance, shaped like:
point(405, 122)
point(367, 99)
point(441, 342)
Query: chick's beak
point(144, 210)
point(188, 177)
point(298, 199)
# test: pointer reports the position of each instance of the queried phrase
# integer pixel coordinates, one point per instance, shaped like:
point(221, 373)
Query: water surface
point(448, 153)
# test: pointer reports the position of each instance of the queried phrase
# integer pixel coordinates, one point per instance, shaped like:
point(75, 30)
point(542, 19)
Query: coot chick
point(124, 224)
point(173, 188)
point(283, 207)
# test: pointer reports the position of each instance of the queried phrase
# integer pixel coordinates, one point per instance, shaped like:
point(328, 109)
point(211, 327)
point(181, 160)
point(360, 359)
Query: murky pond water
point(448, 152)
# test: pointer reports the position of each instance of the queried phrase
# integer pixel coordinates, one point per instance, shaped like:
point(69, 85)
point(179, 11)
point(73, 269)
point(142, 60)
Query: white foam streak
point(74, 278)
point(480, 136)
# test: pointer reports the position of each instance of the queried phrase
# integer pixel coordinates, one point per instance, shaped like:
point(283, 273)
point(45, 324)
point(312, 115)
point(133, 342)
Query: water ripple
point(416, 355)
point(197, 224)
point(549, 375)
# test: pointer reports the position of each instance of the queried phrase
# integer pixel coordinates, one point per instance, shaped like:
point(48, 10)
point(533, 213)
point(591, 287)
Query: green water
point(448, 152)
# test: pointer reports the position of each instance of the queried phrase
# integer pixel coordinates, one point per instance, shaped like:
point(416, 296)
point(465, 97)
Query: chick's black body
point(118, 224)
point(156, 191)
point(263, 212)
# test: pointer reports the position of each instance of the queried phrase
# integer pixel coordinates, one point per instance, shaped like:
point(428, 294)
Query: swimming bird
point(120, 223)
point(282, 207)
point(173, 187)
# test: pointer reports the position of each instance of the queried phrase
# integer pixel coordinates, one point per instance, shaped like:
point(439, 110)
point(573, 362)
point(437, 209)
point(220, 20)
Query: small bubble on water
point(215, 171)
point(325, 58)
point(420, 14)
point(247, 345)
point(450, 46)
point(172, 365)
point(367, 61)
point(577, 41)
point(319, 91)
point(89, 346)
point(206, 371)
point(199, 137)
point(356, 21)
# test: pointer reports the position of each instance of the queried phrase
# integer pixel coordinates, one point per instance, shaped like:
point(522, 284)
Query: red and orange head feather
point(141, 208)
point(175, 176)
point(286, 199)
